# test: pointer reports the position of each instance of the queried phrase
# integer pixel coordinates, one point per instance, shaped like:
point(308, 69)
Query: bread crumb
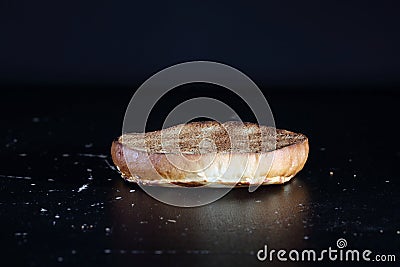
point(89, 145)
point(83, 187)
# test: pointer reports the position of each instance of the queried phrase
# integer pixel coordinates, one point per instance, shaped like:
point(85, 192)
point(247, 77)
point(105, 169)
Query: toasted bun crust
point(224, 167)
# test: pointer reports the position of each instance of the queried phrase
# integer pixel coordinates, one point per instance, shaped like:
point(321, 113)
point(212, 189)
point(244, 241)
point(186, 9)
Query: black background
point(328, 69)
point(331, 43)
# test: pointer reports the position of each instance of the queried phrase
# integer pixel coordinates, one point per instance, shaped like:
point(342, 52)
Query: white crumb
point(83, 187)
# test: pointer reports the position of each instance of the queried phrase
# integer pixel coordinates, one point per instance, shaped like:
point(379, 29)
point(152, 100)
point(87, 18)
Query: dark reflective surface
point(61, 202)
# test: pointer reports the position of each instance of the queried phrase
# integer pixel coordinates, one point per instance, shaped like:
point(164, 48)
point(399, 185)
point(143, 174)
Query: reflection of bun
point(212, 154)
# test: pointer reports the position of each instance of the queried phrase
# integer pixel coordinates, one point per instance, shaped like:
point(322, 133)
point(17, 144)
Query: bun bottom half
point(211, 170)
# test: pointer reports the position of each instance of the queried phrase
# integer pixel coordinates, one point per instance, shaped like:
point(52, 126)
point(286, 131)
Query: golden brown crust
point(229, 136)
point(273, 167)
